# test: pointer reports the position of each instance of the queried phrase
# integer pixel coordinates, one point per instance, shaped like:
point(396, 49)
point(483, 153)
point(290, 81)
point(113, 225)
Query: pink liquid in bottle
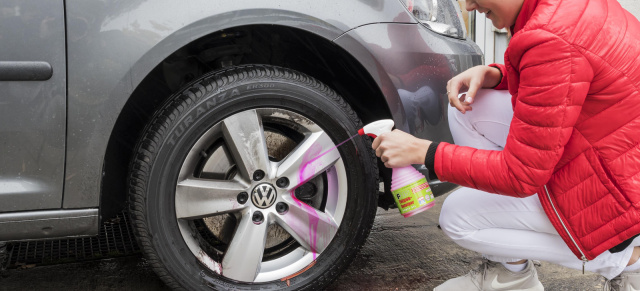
point(411, 191)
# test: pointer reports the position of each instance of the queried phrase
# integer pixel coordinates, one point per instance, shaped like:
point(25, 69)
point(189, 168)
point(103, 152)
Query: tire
point(205, 165)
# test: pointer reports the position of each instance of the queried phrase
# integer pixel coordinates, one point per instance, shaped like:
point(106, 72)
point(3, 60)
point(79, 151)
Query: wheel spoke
point(197, 198)
point(245, 139)
point(312, 157)
point(243, 257)
point(312, 228)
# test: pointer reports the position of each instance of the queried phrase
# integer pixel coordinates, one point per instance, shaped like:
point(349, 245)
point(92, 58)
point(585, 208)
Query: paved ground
point(413, 254)
point(400, 254)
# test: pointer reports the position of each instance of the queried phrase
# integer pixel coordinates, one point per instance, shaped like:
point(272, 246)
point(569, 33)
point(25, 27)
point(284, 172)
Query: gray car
point(216, 124)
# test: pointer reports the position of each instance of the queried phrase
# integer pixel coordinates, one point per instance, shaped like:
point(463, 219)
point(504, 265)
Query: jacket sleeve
point(503, 85)
point(554, 79)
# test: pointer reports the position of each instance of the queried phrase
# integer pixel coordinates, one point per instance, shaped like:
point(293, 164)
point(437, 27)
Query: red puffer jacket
point(573, 68)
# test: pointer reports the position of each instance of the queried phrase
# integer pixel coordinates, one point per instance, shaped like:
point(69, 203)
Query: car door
point(32, 104)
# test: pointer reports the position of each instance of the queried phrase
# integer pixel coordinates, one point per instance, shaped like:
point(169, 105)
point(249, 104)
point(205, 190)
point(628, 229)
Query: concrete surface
point(414, 254)
point(400, 254)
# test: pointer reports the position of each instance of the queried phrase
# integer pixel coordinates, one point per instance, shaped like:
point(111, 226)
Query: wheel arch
point(289, 47)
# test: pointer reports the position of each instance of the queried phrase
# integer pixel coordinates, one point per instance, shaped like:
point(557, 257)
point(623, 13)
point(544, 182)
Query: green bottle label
point(413, 196)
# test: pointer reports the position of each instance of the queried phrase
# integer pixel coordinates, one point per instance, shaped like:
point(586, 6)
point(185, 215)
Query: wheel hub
point(264, 195)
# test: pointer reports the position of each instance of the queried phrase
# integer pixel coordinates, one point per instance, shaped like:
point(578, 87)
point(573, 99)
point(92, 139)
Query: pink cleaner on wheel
point(409, 187)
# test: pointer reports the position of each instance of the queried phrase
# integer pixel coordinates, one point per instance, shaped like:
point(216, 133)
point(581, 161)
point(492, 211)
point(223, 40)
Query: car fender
point(412, 65)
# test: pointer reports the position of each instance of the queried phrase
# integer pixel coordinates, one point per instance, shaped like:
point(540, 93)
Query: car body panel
point(32, 110)
point(412, 65)
point(115, 44)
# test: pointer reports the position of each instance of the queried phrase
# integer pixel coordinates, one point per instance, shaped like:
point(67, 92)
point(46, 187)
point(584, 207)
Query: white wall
point(632, 5)
point(492, 42)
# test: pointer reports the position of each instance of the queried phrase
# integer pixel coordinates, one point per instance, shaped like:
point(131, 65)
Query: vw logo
point(263, 196)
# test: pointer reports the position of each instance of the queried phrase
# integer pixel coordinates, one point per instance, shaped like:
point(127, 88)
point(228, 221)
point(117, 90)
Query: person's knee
point(453, 220)
point(461, 128)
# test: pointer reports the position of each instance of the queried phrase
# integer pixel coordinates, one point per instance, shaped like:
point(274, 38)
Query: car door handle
point(25, 71)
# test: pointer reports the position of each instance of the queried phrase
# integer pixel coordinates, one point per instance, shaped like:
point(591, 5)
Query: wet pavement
point(400, 254)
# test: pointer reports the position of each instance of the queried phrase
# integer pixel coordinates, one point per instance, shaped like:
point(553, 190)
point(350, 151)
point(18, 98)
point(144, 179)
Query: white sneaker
point(627, 281)
point(493, 276)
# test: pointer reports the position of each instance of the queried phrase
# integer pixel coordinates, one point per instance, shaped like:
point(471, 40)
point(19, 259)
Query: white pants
point(503, 228)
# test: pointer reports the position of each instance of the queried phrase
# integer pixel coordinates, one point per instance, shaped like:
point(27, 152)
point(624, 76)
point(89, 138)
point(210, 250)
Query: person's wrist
point(421, 151)
point(493, 78)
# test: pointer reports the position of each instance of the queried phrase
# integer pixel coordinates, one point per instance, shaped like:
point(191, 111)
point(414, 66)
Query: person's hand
point(398, 149)
point(470, 81)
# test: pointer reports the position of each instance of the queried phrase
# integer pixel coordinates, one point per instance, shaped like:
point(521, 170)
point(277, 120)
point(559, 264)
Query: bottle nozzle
point(376, 128)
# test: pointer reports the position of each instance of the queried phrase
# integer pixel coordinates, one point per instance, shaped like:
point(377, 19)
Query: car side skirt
point(48, 224)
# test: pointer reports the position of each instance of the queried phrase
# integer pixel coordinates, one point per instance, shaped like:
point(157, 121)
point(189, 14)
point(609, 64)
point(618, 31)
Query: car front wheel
point(238, 183)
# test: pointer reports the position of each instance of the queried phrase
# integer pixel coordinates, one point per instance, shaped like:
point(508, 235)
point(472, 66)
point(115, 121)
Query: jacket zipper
point(584, 258)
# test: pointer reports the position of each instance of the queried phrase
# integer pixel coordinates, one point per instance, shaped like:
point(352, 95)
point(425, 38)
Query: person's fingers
point(453, 87)
point(379, 152)
point(474, 86)
point(464, 103)
point(381, 147)
point(385, 160)
point(376, 143)
point(459, 104)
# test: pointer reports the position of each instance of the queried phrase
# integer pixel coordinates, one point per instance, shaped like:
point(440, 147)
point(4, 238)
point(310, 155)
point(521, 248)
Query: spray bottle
point(409, 187)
